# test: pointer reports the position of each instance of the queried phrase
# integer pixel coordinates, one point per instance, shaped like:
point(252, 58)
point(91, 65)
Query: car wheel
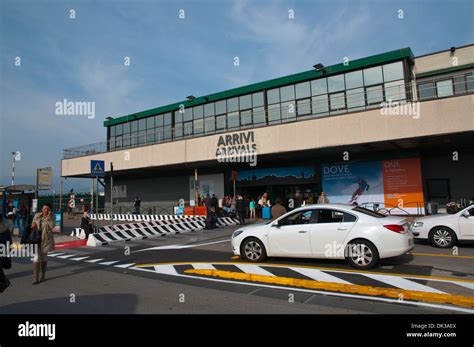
point(362, 254)
point(442, 237)
point(253, 250)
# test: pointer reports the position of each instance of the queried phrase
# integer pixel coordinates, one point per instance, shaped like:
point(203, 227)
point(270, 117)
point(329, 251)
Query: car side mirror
point(466, 214)
point(277, 224)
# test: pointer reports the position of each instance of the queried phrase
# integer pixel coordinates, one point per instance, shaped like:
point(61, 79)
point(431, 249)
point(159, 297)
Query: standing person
point(323, 199)
point(137, 204)
point(44, 222)
point(86, 224)
point(240, 206)
point(298, 199)
point(278, 209)
point(252, 206)
point(6, 241)
point(214, 203)
point(259, 206)
point(23, 219)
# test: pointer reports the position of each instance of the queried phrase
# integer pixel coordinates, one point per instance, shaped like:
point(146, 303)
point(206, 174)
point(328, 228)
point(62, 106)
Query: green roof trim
point(446, 70)
point(356, 64)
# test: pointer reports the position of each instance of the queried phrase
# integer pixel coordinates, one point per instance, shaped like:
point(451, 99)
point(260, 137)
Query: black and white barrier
point(134, 217)
point(145, 229)
point(79, 233)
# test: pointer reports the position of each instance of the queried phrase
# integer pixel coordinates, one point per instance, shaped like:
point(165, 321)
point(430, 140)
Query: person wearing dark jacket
point(136, 205)
point(5, 240)
point(240, 207)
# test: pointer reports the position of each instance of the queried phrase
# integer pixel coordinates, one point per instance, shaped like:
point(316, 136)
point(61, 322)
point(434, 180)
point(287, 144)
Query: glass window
point(246, 118)
point(134, 126)
point(329, 216)
point(158, 134)
point(187, 114)
point(470, 81)
point(178, 130)
point(159, 120)
point(257, 99)
point(188, 128)
point(374, 95)
point(134, 139)
point(167, 118)
point(198, 112)
point(373, 75)
point(126, 128)
point(209, 110)
point(198, 126)
point(142, 124)
point(233, 120)
point(304, 107)
point(354, 79)
point(288, 111)
point(320, 104)
point(112, 143)
point(336, 83)
point(355, 98)
point(297, 218)
point(232, 104)
point(258, 115)
point(319, 86)
point(337, 101)
point(167, 132)
point(221, 122)
point(459, 85)
point(287, 93)
point(150, 136)
point(395, 90)
point(112, 130)
point(392, 72)
point(303, 90)
point(118, 129)
point(221, 107)
point(125, 141)
point(444, 88)
point(245, 102)
point(210, 125)
point(273, 96)
point(118, 142)
point(178, 117)
point(274, 114)
point(150, 122)
point(141, 137)
point(426, 90)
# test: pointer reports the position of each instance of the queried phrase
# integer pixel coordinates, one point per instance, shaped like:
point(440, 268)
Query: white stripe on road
point(124, 266)
point(80, 258)
point(200, 266)
point(402, 283)
point(253, 269)
point(67, 256)
point(319, 275)
point(94, 260)
point(166, 269)
point(54, 254)
point(109, 262)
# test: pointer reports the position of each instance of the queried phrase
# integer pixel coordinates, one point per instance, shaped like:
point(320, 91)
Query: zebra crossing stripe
point(166, 269)
point(253, 269)
point(78, 259)
point(109, 262)
point(403, 283)
point(54, 254)
point(66, 256)
point(94, 260)
point(203, 266)
point(318, 275)
point(124, 266)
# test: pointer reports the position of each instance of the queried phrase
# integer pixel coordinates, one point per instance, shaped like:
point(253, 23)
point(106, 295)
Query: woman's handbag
point(34, 237)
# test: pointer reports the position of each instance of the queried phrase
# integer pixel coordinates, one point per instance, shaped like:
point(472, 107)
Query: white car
point(444, 230)
point(326, 231)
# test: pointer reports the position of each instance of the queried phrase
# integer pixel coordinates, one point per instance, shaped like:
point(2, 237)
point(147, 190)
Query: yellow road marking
point(401, 294)
point(310, 267)
point(443, 255)
point(235, 257)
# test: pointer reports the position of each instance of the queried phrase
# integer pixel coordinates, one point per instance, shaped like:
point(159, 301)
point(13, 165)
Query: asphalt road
point(152, 276)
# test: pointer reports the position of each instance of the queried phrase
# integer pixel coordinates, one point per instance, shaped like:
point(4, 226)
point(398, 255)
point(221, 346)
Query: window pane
point(209, 110)
point(158, 134)
point(142, 124)
point(354, 79)
point(188, 129)
point(141, 137)
point(245, 102)
point(304, 107)
point(319, 86)
point(126, 128)
point(459, 85)
point(336, 83)
point(221, 122)
point(444, 88)
point(303, 90)
point(395, 90)
point(337, 101)
point(288, 111)
point(112, 130)
point(287, 93)
point(426, 90)
point(232, 104)
point(392, 72)
point(167, 118)
point(273, 96)
point(470, 82)
point(198, 112)
point(233, 120)
point(210, 125)
point(374, 95)
point(221, 107)
point(178, 130)
point(355, 98)
point(187, 114)
point(246, 118)
point(198, 126)
point(320, 104)
point(112, 143)
point(373, 75)
point(118, 129)
point(178, 117)
point(118, 142)
point(150, 136)
point(258, 115)
point(134, 125)
point(159, 120)
point(126, 141)
point(274, 113)
point(257, 99)
point(134, 139)
point(167, 132)
point(150, 122)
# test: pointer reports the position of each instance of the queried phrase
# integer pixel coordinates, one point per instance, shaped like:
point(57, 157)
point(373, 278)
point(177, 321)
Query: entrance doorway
point(438, 190)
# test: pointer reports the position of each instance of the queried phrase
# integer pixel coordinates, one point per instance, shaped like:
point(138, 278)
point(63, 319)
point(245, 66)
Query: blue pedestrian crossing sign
point(97, 168)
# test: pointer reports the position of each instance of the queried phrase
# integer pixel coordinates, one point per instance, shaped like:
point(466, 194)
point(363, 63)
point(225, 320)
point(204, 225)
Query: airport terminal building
point(391, 128)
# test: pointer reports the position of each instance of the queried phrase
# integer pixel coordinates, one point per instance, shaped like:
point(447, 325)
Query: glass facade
point(324, 96)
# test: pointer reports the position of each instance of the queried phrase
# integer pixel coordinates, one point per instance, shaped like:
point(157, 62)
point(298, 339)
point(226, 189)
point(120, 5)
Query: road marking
point(443, 255)
point(94, 260)
point(403, 283)
point(54, 254)
point(166, 269)
point(109, 262)
point(66, 256)
point(181, 246)
point(253, 269)
point(319, 275)
point(338, 287)
point(235, 257)
point(201, 266)
point(124, 266)
point(80, 258)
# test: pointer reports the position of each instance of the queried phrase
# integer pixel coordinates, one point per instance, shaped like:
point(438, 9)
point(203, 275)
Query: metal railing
point(336, 103)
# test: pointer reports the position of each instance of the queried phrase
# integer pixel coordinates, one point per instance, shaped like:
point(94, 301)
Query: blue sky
point(82, 59)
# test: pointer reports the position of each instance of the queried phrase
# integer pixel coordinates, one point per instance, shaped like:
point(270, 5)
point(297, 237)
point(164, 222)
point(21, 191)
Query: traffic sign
point(97, 168)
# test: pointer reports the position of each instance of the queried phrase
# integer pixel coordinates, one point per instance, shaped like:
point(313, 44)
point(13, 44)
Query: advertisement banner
point(44, 178)
point(390, 183)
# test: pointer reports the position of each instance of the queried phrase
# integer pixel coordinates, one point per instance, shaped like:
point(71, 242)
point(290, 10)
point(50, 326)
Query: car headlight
point(237, 233)
point(417, 224)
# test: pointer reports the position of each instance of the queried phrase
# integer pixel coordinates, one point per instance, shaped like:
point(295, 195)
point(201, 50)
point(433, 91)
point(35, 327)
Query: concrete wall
point(444, 60)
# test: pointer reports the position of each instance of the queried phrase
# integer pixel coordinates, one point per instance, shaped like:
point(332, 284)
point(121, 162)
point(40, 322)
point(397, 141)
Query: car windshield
point(368, 212)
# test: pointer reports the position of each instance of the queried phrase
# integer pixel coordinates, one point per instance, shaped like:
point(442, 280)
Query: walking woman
point(44, 222)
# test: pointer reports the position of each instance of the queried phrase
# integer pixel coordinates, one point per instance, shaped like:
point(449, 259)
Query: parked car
point(445, 230)
point(331, 231)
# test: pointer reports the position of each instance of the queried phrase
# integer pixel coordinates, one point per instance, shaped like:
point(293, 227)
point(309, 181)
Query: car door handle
point(303, 231)
point(341, 228)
